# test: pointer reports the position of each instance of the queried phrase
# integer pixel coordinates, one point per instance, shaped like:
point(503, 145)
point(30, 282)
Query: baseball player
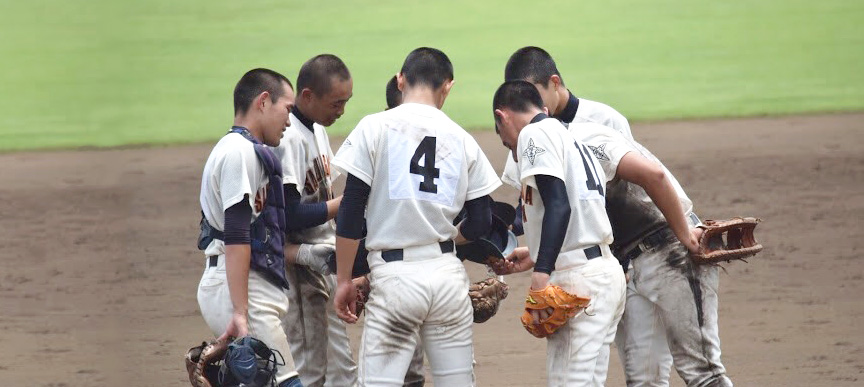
point(243, 289)
point(567, 231)
point(416, 169)
point(318, 339)
point(415, 376)
point(639, 226)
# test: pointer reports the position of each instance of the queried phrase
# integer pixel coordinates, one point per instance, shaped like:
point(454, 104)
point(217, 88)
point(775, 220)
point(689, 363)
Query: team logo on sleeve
point(532, 151)
point(599, 152)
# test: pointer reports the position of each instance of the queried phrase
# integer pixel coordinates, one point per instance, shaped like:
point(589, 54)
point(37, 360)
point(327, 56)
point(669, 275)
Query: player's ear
point(545, 110)
point(555, 80)
point(306, 94)
point(400, 82)
point(262, 100)
point(445, 88)
point(499, 114)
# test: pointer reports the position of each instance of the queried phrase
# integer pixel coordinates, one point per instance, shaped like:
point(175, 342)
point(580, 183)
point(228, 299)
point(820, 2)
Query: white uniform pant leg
point(578, 353)
point(686, 298)
point(394, 313)
point(416, 375)
point(307, 328)
point(341, 368)
point(267, 314)
point(641, 341)
point(447, 333)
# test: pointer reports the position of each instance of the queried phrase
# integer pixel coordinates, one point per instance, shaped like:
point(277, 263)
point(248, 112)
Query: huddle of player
point(410, 170)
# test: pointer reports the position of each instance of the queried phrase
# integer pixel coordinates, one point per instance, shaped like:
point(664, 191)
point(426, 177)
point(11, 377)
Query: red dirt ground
point(99, 268)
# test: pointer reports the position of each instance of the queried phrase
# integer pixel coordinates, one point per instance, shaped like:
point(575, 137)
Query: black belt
point(593, 252)
point(398, 254)
point(212, 260)
point(653, 240)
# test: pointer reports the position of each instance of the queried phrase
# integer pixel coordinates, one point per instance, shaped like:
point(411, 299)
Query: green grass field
point(107, 73)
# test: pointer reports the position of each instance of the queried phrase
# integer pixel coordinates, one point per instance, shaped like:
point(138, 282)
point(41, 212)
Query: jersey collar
point(569, 113)
point(539, 117)
point(241, 130)
point(308, 123)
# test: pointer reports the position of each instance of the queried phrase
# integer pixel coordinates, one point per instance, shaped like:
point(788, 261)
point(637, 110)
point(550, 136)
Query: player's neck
point(563, 99)
point(251, 125)
point(424, 96)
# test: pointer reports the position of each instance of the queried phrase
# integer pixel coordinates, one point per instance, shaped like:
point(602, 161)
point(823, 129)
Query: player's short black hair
point(393, 94)
point(255, 82)
point(532, 64)
point(427, 66)
point(317, 73)
point(517, 96)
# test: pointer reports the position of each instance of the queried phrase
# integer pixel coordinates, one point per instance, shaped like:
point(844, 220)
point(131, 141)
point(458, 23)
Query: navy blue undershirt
point(569, 113)
point(300, 216)
point(556, 217)
point(238, 223)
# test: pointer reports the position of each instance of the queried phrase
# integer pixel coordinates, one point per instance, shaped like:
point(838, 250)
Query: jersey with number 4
point(548, 148)
point(422, 167)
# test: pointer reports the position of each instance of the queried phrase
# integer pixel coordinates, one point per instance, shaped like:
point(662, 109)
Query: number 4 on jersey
point(428, 170)
point(592, 182)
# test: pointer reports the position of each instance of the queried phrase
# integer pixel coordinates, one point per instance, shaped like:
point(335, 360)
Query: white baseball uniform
point(232, 171)
point(421, 167)
point(578, 353)
point(579, 110)
point(318, 337)
point(668, 295)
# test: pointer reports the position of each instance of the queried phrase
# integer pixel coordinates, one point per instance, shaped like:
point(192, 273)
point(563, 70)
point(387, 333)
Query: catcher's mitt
point(725, 240)
point(203, 363)
point(485, 296)
point(563, 306)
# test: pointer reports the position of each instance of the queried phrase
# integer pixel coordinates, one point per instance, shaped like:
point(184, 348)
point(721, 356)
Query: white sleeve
point(510, 176)
point(292, 154)
point(539, 154)
point(238, 171)
point(482, 179)
point(608, 147)
point(356, 155)
point(619, 123)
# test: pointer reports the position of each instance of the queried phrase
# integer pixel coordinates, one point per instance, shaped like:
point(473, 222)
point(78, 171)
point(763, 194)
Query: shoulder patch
point(599, 152)
point(532, 151)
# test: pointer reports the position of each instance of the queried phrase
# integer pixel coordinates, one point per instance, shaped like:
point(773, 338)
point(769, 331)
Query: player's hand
point(519, 260)
point(237, 327)
point(693, 242)
point(345, 301)
point(539, 280)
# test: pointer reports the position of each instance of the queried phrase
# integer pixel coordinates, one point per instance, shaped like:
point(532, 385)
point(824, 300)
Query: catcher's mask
point(499, 242)
point(250, 363)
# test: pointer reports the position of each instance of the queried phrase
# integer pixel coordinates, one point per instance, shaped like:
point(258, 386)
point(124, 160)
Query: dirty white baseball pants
point(577, 354)
point(317, 336)
point(267, 316)
point(667, 292)
point(425, 294)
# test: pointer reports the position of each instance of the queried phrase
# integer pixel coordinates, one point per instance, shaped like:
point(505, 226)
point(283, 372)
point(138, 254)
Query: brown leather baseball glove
point(203, 362)
point(728, 239)
point(486, 296)
point(558, 304)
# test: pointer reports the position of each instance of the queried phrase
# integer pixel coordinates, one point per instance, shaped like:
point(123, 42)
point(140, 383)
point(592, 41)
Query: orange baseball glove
point(559, 304)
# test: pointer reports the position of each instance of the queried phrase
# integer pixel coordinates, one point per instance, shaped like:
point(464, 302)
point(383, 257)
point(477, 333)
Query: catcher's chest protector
point(267, 235)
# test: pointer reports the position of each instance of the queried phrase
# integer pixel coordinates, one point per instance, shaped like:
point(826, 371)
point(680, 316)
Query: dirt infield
point(99, 268)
